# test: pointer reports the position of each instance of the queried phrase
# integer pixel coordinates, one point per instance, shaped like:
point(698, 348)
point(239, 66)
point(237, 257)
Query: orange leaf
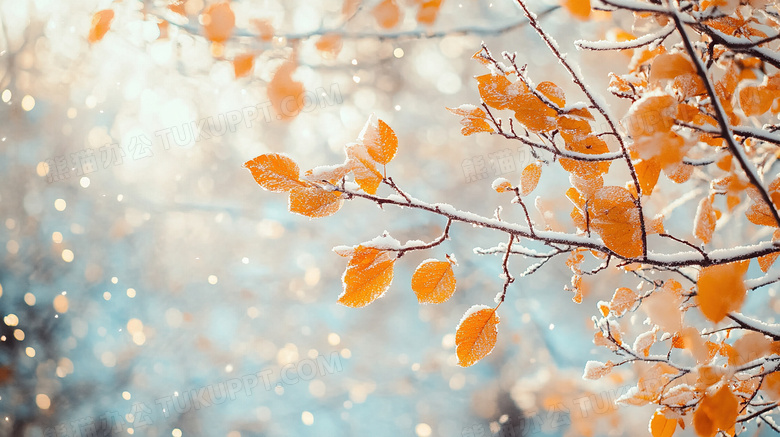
point(363, 168)
point(331, 173)
point(614, 215)
point(275, 172)
point(716, 412)
point(766, 261)
point(622, 301)
point(433, 281)
point(368, 276)
point(660, 426)
point(242, 64)
point(579, 8)
point(101, 22)
point(474, 119)
point(529, 178)
point(476, 335)
point(218, 22)
point(428, 12)
point(329, 44)
point(498, 92)
point(285, 94)
point(387, 14)
point(590, 145)
point(380, 141)
point(314, 201)
point(678, 68)
point(756, 100)
point(721, 289)
point(263, 28)
point(535, 114)
point(350, 7)
point(647, 171)
point(704, 222)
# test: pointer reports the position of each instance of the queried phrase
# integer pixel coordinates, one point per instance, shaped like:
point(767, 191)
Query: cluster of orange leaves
point(369, 271)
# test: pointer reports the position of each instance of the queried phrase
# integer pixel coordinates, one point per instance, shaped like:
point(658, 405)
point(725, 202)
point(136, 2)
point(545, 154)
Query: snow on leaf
point(647, 171)
point(614, 216)
point(363, 167)
point(716, 412)
point(218, 22)
point(498, 92)
point(721, 289)
point(368, 276)
point(380, 141)
point(677, 68)
point(474, 119)
point(660, 426)
point(275, 172)
point(644, 342)
point(101, 22)
point(387, 14)
point(766, 261)
point(313, 201)
point(433, 281)
point(663, 308)
point(476, 334)
point(622, 301)
point(704, 221)
point(330, 173)
point(501, 185)
point(529, 178)
point(284, 93)
point(759, 212)
point(596, 369)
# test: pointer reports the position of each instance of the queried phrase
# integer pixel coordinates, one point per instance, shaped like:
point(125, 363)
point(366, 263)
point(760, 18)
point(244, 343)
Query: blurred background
point(148, 286)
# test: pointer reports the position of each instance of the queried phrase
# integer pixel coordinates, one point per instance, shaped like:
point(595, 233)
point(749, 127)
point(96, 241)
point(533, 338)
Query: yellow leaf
point(476, 334)
point(721, 289)
point(101, 22)
point(433, 281)
point(313, 201)
point(275, 172)
point(368, 276)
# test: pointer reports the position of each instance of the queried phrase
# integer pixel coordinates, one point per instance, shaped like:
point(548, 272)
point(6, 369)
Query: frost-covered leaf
point(474, 119)
point(529, 178)
point(596, 369)
point(275, 172)
point(433, 281)
point(476, 334)
point(380, 141)
point(313, 201)
point(704, 221)
point(368, 276)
